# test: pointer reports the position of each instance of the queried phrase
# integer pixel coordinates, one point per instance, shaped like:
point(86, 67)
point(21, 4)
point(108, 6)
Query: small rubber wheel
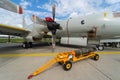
point(67, 66)
point(96, 57)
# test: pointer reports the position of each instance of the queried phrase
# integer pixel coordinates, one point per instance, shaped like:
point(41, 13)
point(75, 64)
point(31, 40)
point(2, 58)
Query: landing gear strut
point(27, 44)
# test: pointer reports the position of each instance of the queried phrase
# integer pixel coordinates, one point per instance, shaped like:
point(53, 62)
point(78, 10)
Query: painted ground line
point(49, 54)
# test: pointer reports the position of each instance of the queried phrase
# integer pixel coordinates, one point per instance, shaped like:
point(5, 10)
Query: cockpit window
point(116, 14)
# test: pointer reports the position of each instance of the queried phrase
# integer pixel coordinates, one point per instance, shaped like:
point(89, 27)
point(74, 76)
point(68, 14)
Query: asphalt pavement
point(17, 66)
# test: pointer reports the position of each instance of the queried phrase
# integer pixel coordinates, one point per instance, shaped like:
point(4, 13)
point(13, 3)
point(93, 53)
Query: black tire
point(67, 66)
point(30, 44)
point(96, 57)
point(25, 45)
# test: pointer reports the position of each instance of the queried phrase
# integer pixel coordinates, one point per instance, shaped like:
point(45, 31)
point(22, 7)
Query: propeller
point(53, 31)
point(53, 26)
point(53, 11)
point(50, 23)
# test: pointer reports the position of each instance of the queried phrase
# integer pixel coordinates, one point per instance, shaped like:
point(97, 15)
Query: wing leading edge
point(10, 30)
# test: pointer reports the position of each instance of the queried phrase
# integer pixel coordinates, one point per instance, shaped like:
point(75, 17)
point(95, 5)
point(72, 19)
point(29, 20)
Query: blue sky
point(64, 9)
point(34, 6)
point(31, 4)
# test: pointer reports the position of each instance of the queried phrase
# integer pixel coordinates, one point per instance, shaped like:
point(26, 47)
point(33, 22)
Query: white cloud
point(67, 7)
point(10, 18)
point(37, 13)
point(112, 1)
point(75, 14)
point(64, 8)
point(81, 7)
point(13, 19)
point(113, 8)
point(25, 3)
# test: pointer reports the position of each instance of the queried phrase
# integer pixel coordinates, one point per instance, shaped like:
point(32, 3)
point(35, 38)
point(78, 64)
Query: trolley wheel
point(96, 57)
point(67, 66)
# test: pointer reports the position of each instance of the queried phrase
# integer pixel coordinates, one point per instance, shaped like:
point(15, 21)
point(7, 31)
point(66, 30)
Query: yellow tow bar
point(42, 68)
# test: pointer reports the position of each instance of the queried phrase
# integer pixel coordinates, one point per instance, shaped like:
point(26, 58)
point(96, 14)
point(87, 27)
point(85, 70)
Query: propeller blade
point(10, 6)
point(53, 43)
point(38, 20)
point(53, 11)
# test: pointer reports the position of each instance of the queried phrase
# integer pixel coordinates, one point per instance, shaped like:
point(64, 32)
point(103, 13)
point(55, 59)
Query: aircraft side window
point(82, 22)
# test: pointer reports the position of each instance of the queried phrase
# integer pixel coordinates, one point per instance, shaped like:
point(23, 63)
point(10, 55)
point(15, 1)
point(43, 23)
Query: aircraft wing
point(10, 30)
point(10, 6)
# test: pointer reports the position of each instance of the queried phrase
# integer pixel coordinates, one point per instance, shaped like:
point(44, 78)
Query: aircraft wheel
point(30, 44)
point(25, 45)
point(67, 66)
point(96, 57)
point(100, 47)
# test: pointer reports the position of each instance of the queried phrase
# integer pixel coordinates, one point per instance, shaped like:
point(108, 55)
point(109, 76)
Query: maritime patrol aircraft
point(98, 25)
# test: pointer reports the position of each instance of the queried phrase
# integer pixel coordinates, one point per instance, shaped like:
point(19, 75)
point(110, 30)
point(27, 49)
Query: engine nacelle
point(37, 38)
point(33, 38)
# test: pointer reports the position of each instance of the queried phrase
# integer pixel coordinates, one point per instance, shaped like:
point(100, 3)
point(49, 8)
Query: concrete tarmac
point(19, 67)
